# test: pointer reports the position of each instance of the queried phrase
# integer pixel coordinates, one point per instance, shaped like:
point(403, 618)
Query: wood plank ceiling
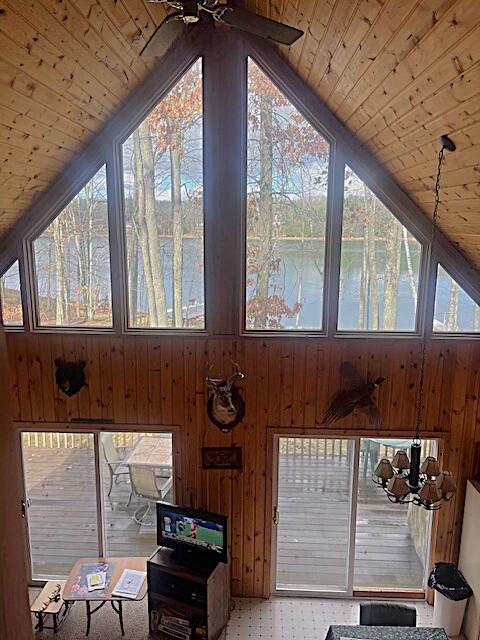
point(398, 73)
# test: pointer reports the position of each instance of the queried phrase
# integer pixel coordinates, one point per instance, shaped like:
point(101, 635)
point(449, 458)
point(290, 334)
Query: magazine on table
point(96, 581)
point(92, 580)
point(129, 584)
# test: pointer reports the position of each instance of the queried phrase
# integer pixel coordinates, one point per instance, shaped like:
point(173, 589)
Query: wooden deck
point(313, 531)
point(312, 536)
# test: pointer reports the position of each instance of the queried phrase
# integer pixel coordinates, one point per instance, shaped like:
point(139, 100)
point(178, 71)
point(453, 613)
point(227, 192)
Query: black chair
point(387, 614)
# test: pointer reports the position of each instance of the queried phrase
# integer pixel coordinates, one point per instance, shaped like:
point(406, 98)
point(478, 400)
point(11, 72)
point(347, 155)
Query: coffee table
point(117, 565)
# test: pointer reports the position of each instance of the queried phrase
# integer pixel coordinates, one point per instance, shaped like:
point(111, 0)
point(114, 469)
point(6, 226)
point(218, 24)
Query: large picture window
point(380, 265)
point(163, 186)
point(455, 311)
point(287, 175)
point(72, 262)
point(11, 298)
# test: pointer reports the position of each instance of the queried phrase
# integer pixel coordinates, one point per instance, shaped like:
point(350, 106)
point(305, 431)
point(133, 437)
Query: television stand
point(188, 595)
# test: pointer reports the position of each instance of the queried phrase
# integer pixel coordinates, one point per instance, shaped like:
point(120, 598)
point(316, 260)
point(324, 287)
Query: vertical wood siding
point(148, 381)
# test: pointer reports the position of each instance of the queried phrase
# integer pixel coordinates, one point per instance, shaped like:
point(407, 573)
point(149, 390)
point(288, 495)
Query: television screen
point(191, 529)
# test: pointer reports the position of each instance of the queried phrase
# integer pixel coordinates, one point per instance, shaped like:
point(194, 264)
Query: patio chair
point(387, 614)
point(146, 484)
point(114, 461)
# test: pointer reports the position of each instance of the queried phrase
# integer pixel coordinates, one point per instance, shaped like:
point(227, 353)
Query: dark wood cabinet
point(187, 597)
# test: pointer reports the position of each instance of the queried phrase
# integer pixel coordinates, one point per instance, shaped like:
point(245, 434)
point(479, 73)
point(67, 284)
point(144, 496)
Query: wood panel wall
point(138, 381)
point(15, 618)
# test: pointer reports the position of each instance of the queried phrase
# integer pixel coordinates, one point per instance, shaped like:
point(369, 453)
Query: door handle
point(276, 516)
point(25, 505)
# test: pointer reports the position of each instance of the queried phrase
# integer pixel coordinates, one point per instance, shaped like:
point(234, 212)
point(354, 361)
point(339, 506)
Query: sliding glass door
point(314, 514)
point(61, 494)
point(336, 532)
point(392, 540)
point(91, 494)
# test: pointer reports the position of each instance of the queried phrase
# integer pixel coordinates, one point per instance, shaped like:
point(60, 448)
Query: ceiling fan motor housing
point(190, 12)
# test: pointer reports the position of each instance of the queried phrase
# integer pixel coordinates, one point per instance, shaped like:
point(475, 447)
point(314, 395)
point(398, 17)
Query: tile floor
point(298, 618)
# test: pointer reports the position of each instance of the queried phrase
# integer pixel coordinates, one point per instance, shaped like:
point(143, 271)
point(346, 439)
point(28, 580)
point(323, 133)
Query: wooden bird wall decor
point(356, 393)
point(70, 376)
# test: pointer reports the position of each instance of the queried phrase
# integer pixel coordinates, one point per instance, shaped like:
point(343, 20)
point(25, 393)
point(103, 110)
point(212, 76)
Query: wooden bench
point(50, 602)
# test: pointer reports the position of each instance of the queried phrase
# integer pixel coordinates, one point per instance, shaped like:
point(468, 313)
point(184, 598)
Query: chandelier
point(408, 480)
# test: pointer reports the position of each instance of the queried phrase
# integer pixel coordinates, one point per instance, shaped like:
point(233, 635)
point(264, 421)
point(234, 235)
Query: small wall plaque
point(222, 458)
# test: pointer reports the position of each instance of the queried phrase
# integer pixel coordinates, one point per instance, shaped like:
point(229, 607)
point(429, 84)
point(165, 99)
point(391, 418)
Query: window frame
point(423, 270)
point(329, 223)
point(118, 208)
point(448, 335)
point(15, 328)
point(30, 262)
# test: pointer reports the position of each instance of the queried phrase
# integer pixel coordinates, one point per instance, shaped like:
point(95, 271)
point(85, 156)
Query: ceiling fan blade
point(258, 25)
point(169, 30)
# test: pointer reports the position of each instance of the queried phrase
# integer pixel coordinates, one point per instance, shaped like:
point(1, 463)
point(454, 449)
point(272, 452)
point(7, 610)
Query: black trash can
point(451, 598)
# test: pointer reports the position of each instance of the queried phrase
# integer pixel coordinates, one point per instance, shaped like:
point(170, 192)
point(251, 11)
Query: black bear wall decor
point(70, 376)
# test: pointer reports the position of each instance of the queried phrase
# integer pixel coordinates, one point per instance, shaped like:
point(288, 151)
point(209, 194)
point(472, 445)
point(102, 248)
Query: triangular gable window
point(455, 311)
point(10, 297)
point(163, 187)
point(380, 265)
point(287, 178)
point(72, 262)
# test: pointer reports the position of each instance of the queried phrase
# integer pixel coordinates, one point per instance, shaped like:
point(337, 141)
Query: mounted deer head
point(225, 406)
point(70, 376)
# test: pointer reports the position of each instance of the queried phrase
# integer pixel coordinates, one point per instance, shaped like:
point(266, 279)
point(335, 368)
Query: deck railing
point(64, 440)
point(303, 447)
point(294, 447)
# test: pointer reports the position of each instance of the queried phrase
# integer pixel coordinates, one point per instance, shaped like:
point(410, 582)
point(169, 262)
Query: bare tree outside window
point(10, 297)
point(72, 262)
point(163, 185)
point(380, 264)
point(287, 177)
point(455, 311)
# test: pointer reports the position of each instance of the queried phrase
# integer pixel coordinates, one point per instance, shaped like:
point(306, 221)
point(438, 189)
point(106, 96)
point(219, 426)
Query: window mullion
point(333, 238)
point(99, 495)
point(116, 238)
point(224, 178)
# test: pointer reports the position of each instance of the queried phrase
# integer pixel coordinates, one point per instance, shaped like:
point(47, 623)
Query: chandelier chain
point(418, 421)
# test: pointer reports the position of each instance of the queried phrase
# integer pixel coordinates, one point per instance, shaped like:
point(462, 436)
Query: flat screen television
point(192, 531)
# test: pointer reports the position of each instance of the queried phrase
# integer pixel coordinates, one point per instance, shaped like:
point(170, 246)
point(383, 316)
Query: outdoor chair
point(114, 462)
point(146, 484)
point(387, 614)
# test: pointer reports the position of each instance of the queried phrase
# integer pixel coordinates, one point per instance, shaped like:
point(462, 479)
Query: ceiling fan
point(190, 12)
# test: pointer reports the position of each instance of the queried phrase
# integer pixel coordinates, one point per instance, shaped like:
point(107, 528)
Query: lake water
point(299, 279)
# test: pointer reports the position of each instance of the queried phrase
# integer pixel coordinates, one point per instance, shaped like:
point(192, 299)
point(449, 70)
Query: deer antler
point(237, 373)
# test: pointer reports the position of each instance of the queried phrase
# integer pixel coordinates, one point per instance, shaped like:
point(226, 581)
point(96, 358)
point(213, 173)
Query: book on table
point(129, 584)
